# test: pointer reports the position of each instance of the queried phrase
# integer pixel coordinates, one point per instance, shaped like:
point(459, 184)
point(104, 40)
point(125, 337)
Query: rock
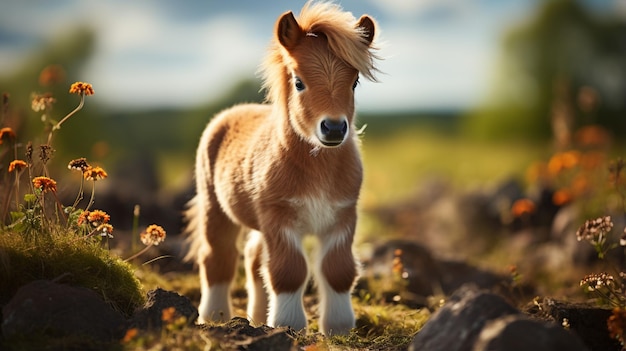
point(238, 334)
point(56, 310)
point(420, 270)
point(150, 316)
point(519, 333)
point(587, 322)
point(423, 276)
point(459, 322)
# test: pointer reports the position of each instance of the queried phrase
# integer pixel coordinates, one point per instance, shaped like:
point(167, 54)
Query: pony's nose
point(333, 132)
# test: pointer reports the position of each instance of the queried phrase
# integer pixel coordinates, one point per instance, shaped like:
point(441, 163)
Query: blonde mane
point(345, 40)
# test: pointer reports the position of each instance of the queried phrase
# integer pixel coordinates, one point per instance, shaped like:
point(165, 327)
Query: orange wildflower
point(561, 197)
point(130, 335)
point(94, 173)
point(153, 235)
point(98, 217)
point(82, 218)
point(523, 207)
point(562, 161)
point(593, 136)
point(6, 132)
point(81, 88)
point(616, 323)
point(45, 184)
point(168, 314)
point(17, 165)
point(52, 74)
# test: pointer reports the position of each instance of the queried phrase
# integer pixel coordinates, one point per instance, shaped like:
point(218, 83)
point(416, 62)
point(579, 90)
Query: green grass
point(397, 164)
point(72, 259)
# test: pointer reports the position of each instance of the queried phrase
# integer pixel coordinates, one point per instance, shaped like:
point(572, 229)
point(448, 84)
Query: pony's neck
point(292, 141)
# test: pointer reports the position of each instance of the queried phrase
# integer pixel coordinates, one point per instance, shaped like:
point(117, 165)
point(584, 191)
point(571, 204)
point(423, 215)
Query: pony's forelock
point(347, 41)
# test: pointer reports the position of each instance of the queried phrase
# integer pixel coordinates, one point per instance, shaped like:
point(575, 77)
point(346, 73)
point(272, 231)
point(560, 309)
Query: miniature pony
point(285, 169)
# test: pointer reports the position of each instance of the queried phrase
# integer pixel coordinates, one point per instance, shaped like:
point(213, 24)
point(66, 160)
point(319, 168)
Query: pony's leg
point(257, 296)
point(218, 262)
point(336, 270)
point(286, 275)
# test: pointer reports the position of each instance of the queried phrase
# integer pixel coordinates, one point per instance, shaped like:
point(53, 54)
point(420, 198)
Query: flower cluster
point(89, 172)
point(153, 235)
point(17, 165)
point(595, 230)
point(97, 219)
point(81, 88)
point(597, 281)
point(42, 102)
point(523, 207)
point(6, 132)
point(79, 164)
point(94, 173)
point(45, 184)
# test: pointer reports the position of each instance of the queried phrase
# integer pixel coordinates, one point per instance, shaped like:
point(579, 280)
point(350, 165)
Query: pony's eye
point(356, 82)
point(298, 83)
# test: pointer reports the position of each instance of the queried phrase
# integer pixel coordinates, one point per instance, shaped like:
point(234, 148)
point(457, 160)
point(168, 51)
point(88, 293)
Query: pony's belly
point(238, 207)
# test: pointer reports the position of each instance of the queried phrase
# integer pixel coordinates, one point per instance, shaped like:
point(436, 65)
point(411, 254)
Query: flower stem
point(58, 125)
point(138, 253)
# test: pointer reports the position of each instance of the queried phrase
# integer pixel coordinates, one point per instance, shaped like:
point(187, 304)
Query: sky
point(438, 54)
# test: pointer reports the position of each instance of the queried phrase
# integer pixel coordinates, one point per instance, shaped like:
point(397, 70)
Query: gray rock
point(56, 310)
point(459, 322)
point(519, 333)
point(586, 321)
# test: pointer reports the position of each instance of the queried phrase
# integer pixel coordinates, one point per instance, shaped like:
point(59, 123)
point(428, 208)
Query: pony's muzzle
point(332, 132)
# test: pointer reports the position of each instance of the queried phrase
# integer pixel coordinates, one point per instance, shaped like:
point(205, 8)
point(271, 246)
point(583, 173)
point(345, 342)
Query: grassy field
point(398, 162)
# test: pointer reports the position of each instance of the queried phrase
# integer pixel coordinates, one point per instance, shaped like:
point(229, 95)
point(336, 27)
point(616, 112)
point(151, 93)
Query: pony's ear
point(368, 28)
point(288, 31)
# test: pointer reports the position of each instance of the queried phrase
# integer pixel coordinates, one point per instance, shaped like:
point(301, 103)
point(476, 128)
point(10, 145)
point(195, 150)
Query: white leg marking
point(286, 309)
point(257, 295)
point(336, 312)
point(215, 302)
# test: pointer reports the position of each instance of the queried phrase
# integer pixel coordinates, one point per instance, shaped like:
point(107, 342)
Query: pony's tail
point(194, 240)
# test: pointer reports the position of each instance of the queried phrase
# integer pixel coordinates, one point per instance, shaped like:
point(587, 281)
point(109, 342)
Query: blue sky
point(439, 54)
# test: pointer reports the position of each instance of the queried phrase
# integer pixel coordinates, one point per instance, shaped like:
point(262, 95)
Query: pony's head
point(313, 69)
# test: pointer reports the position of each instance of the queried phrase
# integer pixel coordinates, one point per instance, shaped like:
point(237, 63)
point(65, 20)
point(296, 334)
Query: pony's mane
point(345, 40)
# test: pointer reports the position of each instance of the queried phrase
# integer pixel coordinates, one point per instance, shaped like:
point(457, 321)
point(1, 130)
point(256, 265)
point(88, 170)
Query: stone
point(238, 334)
point(520, 333)
point(459, 322)
point(585, 321)
point(46, 308)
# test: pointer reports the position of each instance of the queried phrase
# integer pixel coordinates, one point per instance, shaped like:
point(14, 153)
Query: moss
point(71, 259)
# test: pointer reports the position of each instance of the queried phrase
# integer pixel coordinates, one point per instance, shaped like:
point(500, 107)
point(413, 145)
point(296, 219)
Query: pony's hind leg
point(257, 296)
point(218, 263)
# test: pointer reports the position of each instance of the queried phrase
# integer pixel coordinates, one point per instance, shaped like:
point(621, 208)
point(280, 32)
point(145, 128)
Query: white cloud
point(145, 60)
point(430, 69)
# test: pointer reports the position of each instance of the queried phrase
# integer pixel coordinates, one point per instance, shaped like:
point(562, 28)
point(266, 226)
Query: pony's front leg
point(336, 272)
point(286, 276)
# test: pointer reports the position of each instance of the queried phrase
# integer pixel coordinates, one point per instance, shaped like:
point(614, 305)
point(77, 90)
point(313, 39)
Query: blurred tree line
point(563, 69)
point(565, 55)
